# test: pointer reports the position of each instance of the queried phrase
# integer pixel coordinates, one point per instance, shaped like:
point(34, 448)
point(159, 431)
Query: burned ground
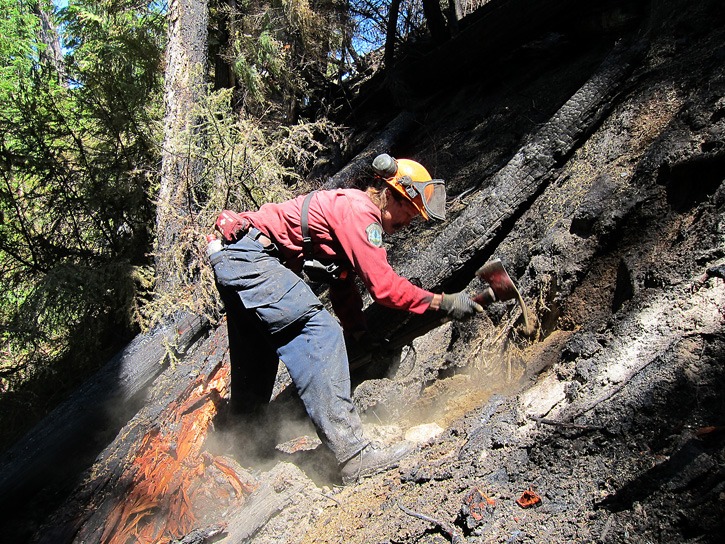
point(611, 411)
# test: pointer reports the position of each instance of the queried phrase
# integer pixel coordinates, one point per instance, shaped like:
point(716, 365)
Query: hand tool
point(500, 288)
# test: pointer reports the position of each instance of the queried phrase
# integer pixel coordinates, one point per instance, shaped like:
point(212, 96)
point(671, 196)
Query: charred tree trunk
point(224, 77)
point(157, 482)
point(510, 191)
point(391, 33)
point(359, 168)
point(465, 243)
point(436, 22)
point(154, 480)
point(282, 485)
point(64, 443)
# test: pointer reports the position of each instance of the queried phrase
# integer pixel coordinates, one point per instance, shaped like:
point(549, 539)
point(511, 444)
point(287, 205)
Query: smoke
point(280, 432)
point(441, 377)
point(428, 386)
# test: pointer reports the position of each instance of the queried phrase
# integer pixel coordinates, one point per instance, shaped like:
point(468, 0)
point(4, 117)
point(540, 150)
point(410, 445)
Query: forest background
point(127, 125)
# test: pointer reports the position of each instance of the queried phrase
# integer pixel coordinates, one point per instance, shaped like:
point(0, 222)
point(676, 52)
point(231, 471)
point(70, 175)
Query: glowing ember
point(528, 499)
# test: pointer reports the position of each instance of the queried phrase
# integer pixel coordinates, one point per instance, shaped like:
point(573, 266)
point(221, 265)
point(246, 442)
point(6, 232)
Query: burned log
point(449, 262)
point(156, 481)
point(465, 242)
point(39, 465)
point(280, 487)
point(160, 482)
point(359, 167)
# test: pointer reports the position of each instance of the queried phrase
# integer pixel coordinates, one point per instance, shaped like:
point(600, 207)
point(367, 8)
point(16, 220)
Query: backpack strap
point(315, 270)
point(305, 224)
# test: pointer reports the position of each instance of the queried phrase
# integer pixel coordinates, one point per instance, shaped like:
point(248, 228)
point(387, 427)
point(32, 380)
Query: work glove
point(231, 226)
point(460, 306)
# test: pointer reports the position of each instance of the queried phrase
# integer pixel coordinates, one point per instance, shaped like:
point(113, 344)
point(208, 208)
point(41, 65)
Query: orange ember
point(478, 503)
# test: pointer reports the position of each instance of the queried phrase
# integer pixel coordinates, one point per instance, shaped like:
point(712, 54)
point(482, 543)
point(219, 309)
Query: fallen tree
point(155, 478)
point(466, 241)
point(474, 233)
point(66, 440)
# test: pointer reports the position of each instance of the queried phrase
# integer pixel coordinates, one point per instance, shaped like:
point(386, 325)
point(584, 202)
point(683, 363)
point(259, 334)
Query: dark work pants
point(271, 315)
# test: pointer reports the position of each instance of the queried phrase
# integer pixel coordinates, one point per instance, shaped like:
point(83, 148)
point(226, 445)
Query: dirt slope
point(613, 412)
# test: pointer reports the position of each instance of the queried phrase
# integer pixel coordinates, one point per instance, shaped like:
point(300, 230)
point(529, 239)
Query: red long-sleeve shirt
point(345, 226)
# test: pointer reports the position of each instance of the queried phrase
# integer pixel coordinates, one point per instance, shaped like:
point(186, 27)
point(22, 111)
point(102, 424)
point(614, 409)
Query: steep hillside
point(588, 155)
point(613, 411)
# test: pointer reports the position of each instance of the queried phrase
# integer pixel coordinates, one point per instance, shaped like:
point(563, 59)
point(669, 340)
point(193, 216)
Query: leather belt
point(259, 236)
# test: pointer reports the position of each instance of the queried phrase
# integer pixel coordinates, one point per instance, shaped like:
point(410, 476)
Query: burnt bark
point(391, 33)
point(436, 22)
point(459, 249)
point(160, 445)
point(279, 489)
point(159, 481)
point(358, 170)
point(38, 466)
point(465, 242)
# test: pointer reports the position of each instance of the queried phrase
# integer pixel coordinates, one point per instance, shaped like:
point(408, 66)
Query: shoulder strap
point(304, 223)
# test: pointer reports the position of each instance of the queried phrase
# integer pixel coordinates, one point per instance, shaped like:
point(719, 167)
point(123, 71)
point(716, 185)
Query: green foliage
point(280, 50)
point(245, 165)
point(17, 28)
point(78, 154)
point(79, 161)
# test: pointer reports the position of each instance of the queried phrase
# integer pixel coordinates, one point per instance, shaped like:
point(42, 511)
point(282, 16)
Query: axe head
point(495, 275)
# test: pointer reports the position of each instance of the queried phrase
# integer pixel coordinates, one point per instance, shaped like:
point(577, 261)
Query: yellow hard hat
point(412, 180)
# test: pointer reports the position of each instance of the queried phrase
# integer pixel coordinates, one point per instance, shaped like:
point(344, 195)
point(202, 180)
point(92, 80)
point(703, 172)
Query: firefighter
point(272, 314)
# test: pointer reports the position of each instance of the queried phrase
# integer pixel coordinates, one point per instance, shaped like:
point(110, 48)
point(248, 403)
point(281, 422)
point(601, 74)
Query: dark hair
point(377, 195)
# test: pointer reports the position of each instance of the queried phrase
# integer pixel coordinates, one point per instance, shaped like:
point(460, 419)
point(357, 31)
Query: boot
point(373, 459)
